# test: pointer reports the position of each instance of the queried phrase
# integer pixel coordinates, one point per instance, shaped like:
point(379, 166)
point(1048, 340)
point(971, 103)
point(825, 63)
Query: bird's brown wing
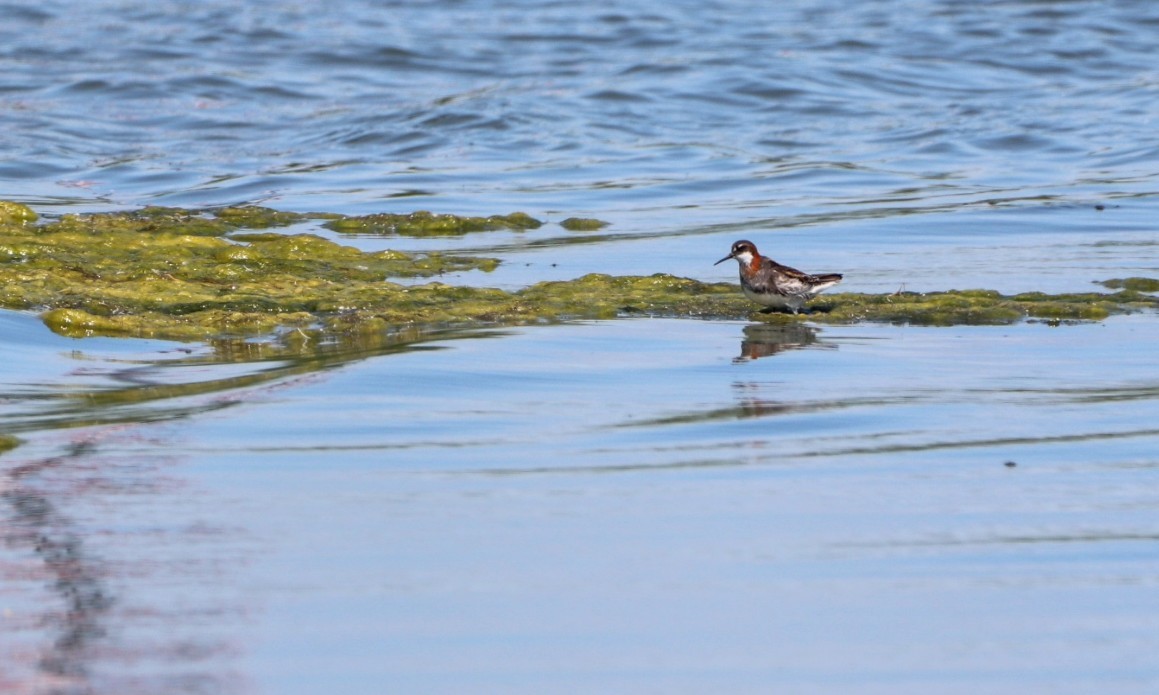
point(793, 282)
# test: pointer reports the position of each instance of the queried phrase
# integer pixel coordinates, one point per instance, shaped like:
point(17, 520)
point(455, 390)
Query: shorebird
point(776, 286)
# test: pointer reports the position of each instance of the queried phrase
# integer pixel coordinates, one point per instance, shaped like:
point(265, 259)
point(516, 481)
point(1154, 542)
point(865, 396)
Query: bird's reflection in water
point(768, 339)
point(760, 340)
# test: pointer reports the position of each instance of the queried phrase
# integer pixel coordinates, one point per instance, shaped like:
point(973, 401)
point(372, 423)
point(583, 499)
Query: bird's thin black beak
point(724, 259)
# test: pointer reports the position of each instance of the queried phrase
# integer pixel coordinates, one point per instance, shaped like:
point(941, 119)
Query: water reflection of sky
point(842, 490)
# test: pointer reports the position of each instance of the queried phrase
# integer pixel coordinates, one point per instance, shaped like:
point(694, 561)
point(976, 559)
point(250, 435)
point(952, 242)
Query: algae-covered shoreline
point(192, 275)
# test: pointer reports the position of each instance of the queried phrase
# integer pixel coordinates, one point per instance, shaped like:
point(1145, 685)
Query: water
point(795, 509)
point(627, 506)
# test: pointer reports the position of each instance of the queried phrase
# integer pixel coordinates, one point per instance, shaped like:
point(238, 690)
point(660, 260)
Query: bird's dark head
point(744, 251)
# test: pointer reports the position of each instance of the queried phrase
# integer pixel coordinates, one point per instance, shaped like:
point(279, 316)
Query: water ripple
point(671, 120)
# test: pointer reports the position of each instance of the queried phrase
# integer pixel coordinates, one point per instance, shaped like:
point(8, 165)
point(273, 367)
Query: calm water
point(629, 506)
point(769, 511)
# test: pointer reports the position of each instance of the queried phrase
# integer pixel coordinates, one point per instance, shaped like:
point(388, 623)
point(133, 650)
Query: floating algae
point(976, 307)
point(182, 274)
point(425, 224)
point(1136, 284)
point(15, 213)
point(582, 224)
point(163, 272)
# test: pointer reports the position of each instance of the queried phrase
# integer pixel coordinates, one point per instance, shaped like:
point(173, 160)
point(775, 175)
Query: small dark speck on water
point(1010, 464)
point(1100, 207)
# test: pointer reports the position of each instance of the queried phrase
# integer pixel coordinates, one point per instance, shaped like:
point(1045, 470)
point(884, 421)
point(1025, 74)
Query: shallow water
point(636, 505)
point(853, 509)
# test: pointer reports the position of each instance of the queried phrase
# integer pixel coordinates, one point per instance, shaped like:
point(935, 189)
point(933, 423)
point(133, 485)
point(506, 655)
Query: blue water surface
point(624, 506)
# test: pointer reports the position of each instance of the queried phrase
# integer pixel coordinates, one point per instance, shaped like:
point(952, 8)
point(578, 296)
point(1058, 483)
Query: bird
point(776, 286)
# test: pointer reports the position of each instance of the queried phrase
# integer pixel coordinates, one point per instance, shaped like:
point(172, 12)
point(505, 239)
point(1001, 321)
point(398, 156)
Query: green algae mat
point(191, 275)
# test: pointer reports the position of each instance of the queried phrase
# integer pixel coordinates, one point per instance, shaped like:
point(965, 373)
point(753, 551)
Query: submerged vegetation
point(182, 274)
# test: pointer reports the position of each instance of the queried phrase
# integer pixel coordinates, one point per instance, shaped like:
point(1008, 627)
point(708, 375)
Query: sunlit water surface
point(923, 142)
point(646, 504)
point(629, 506)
